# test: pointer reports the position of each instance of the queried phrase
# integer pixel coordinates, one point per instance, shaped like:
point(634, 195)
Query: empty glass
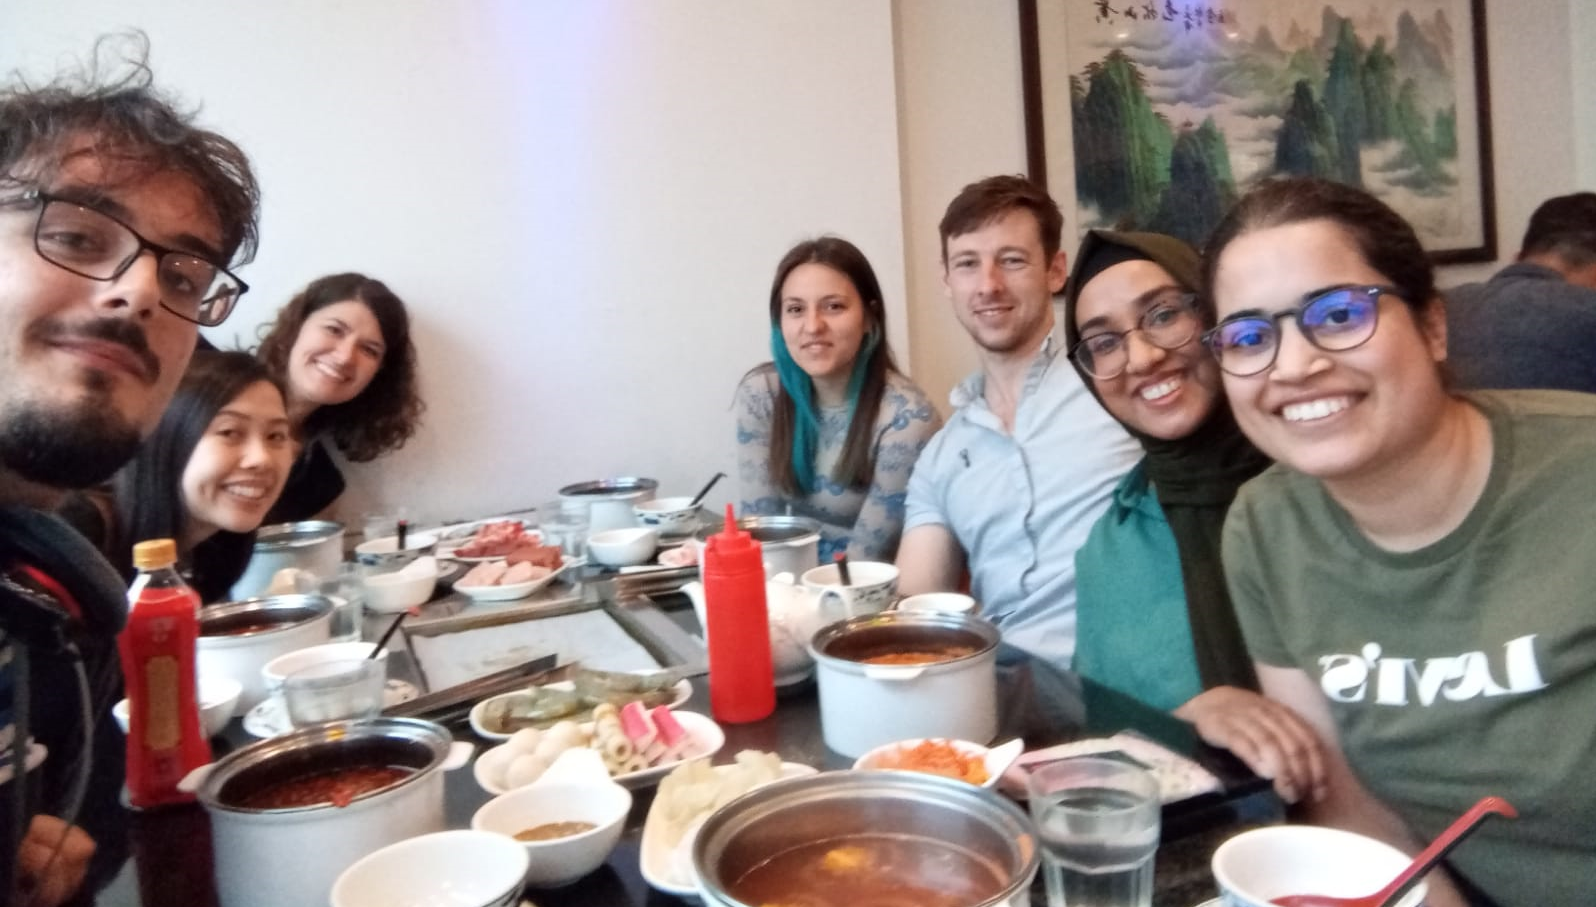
point(566, 525)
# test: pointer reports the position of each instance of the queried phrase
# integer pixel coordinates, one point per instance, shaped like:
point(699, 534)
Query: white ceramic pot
point(237, 639)
point(788, 544)
point(272, 857)
point(863, 706)
point(316, 546)
point(609, 502)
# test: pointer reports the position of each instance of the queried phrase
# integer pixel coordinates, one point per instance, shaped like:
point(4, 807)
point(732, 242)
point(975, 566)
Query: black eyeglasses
point(95, 245)
point(1332, 320)
point(1169, 323)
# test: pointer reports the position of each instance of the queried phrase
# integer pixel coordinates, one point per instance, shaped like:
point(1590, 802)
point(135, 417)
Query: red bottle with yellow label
point(165, 740)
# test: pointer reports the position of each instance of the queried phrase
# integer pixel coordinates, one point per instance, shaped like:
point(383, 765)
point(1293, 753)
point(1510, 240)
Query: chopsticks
point(437, 706)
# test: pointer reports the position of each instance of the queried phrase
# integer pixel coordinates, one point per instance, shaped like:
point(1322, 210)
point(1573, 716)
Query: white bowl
point(623, 547)
point(390, 593)
point(460, 868)
point(217, 697)
point(671, 516)
point(385, 554)
point(1264, 863)
point(560, 861)
point(274, 672)
point(995, 759)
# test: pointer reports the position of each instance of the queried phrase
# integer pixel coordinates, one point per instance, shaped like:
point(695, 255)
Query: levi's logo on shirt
point(1388, 680)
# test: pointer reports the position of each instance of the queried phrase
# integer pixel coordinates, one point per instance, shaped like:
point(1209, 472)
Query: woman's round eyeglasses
point(1333, 320)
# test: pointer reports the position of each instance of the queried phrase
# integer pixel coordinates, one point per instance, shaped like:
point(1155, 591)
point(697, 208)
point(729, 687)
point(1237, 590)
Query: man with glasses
point(1012, 483)
point(1533, 324)
point(119, 221)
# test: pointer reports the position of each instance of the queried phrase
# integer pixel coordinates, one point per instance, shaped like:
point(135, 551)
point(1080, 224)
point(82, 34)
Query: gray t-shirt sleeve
point(754, 405)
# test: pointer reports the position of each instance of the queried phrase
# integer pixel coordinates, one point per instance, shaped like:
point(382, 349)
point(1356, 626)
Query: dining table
point(170, 849)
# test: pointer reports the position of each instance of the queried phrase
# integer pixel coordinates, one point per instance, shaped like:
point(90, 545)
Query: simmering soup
point(918, 656)
point(872, 870)
point(334, 788)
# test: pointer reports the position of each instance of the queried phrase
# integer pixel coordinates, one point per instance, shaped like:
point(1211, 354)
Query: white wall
point(583, 203)
point(1582, 36)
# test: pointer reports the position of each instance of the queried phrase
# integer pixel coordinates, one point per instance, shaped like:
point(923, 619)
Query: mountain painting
point(1161, 112)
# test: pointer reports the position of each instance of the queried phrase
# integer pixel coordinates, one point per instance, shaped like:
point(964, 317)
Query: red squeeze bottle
point(165, 740)
point(742, 684)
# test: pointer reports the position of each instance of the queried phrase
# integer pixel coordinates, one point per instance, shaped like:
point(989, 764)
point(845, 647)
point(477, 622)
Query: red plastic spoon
point(1421, 864)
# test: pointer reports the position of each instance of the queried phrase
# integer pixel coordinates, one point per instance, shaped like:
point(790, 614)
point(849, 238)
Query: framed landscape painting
point(1157, 114)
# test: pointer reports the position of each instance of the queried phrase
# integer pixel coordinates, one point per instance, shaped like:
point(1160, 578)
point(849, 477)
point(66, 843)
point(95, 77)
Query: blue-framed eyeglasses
point(1333, 320)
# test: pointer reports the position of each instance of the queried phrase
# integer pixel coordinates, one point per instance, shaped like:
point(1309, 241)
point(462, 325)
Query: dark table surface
point(172, 850)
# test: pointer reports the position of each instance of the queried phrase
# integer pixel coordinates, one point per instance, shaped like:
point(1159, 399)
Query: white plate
point(269, 717)
point(479, 711)
point(514, 590)
point(706, 736)
point(655, 857)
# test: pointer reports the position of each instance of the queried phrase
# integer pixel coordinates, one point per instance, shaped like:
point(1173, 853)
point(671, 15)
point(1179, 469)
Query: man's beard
point(77, 446)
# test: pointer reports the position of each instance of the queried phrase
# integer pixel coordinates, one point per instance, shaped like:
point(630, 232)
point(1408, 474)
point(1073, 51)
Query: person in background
point(1533, 324)
point(830, 428)
point(1410, 576)
point(119, 221)
point(205, 479)
point(1154, 618)
point(342, 351)
point(1010, 486)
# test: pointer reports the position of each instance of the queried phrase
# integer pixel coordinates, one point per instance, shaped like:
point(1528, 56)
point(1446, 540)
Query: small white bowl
point(560, 861)
point(217, 698)
point(274, 672)
point(385, 554)
point(460, 868)
point(623, 547)
point(401, 590)
point(671, 516)
point(1257, 866)
point(996, 759)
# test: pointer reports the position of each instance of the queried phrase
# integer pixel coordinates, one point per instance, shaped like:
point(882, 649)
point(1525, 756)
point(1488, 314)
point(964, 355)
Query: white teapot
point(796, 612)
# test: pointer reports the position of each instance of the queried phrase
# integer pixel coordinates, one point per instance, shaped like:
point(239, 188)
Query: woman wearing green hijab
point(1155, 619)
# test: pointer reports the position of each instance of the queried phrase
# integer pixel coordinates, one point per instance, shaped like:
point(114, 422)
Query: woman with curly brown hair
point(342, 350)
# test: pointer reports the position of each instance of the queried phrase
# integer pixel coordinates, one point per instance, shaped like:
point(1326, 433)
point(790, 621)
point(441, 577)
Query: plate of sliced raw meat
point(498, 580)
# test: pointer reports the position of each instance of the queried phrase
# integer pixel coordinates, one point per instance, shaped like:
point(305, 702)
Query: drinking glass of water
point(1098, 820)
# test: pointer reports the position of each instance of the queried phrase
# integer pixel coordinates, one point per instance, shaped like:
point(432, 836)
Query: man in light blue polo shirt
point(1012, 483)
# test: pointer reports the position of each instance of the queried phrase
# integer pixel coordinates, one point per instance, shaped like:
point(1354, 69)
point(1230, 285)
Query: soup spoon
point(1423, 863)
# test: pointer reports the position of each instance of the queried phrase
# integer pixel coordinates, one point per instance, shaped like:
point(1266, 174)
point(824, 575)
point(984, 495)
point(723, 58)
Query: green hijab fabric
point(1195, 477)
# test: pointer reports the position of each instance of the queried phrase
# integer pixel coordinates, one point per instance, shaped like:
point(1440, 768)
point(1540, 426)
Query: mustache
point(119, 331)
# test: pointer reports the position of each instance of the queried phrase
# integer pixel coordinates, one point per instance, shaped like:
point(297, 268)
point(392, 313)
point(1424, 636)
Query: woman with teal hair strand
point(829, 429)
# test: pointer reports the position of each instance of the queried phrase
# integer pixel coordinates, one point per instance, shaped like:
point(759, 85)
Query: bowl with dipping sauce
point(900, 675)
point(1265, 863)
point(459, 868)
point(384, 554)
point(836, 837)
point(568, 827)
point(238, 638)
